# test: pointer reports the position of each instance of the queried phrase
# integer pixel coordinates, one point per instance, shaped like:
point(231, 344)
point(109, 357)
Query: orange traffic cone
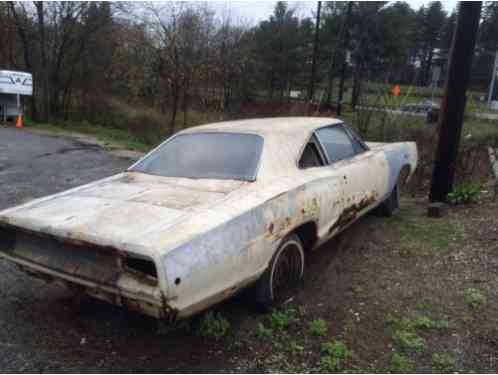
point(396, 90)
point(20, 122)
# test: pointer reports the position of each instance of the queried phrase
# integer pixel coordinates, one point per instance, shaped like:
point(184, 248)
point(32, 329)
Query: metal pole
point(493, 79)
point(453, 105)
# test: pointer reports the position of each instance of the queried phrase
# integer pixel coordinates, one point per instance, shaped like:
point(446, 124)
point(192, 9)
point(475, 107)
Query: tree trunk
point(356, 86)
point(43, 63)
point(26, 48)
point(427, 77)
point(311, 88)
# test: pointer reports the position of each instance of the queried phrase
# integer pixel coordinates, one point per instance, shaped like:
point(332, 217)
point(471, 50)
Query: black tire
point(284, 274)
point(391, 205)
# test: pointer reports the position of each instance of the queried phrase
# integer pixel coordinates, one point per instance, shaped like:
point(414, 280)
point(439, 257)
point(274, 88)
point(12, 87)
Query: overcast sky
point(252, 12)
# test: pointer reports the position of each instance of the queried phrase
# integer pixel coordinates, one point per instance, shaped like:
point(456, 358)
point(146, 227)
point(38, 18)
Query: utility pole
point(315, 53)
point(493, 80)
point(344, 62)
point(454, 99)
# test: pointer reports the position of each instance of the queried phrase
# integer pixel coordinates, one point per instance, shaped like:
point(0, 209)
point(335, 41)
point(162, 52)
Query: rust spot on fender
point(350, 213)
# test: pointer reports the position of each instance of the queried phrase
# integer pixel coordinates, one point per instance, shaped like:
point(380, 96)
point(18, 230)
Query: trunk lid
point(119, 211)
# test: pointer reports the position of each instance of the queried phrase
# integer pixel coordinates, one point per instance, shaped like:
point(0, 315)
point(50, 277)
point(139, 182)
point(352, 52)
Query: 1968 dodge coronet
point(212, 210)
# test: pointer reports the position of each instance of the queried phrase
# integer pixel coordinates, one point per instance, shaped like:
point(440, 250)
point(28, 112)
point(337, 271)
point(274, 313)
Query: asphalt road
point(42, 326)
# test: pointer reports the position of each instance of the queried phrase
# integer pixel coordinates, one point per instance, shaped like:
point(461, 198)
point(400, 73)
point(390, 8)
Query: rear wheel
point(391, 205)
point(282, 278)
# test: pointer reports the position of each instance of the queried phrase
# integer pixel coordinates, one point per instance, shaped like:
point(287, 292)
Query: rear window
point(213, 155)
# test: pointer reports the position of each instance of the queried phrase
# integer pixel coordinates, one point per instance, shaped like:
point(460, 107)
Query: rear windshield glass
point(214, 155)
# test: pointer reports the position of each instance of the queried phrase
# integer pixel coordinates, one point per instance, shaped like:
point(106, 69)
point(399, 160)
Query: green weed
point(428, 323)
point(295, 348)
point(408, 342)
point(213, 325)
point(474, 298)
point(317, 327)
point(443, 363)
point(281, 319)
point(334, 356)
point(263, 333)
point(401, 364)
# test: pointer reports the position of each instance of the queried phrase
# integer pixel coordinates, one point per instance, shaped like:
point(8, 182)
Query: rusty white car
point(212, 210)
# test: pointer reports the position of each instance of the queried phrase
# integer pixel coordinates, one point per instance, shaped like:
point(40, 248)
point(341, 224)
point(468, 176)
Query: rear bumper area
point(107, 274)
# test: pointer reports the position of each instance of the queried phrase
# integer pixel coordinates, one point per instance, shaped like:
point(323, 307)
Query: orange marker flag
point(396, 90)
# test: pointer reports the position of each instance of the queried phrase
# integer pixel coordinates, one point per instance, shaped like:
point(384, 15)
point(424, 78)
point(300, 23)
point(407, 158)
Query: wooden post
point(454, 99)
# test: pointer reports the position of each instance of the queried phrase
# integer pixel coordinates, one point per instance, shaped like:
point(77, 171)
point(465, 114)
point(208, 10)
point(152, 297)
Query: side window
point(336, 142)
point(358, 146)
point(310, 157)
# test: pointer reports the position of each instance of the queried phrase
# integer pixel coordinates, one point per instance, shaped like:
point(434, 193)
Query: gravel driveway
point(42, 329)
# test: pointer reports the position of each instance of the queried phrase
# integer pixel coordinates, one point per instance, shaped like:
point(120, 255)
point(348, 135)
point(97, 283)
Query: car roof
point(270, 126)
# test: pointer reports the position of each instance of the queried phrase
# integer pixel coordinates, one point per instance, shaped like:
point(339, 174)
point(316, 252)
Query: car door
point(325, 185)
point(356, 166)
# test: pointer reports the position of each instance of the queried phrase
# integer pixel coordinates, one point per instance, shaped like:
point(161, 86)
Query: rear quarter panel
point(215, 265)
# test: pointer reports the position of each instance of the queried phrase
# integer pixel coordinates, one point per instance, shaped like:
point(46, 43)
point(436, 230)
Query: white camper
point(13, 85)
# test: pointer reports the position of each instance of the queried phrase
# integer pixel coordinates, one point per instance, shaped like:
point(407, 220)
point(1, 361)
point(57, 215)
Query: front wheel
point(283, 276)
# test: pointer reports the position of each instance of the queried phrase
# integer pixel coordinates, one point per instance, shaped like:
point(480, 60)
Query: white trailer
point(13, 85)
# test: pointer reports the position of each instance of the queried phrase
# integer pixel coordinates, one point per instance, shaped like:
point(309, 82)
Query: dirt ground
point(403, 294)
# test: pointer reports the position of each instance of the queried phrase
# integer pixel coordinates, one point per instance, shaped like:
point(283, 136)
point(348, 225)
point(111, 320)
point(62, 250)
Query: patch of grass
point(317, 327)
point(474, 298)
point(213, 325)
point(334, 356)
point(104, 134)
point(420, 322)
point(408, 342)
point(401, 364)
point(479, 130)
point(443, 363)
point(417, 230)
point(281, 319)
point(263, 333)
